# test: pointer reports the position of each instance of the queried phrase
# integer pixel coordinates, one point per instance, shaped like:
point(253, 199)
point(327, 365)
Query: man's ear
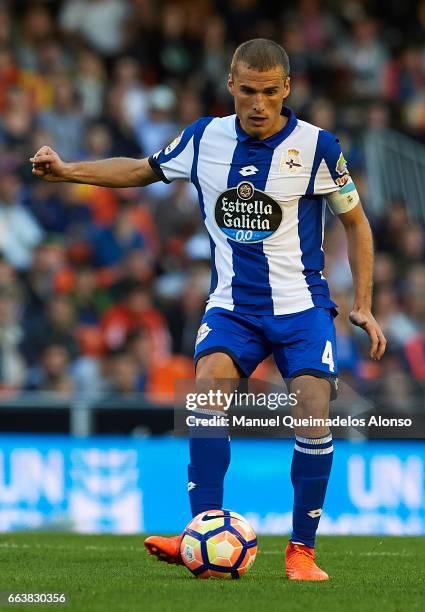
point(230, 83)
point(287, 87)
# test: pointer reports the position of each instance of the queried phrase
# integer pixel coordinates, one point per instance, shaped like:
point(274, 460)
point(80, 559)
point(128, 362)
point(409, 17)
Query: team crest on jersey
point(173, 144)
point(203, 332)
point(247, 214)
point(291, 162)
point(341, 165)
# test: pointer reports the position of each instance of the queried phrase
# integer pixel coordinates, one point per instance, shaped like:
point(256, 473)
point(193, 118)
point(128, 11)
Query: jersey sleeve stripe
point(198, 133)
point(321, 146)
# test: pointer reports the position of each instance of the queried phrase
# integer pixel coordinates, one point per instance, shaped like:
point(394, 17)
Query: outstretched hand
point(366, 320)
point(47, 165)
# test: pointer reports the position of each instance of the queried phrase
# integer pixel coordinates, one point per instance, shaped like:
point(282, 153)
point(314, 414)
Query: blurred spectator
point(125, 377)
point(414, 293)
point(112, 244)
point(127, 78)
point(64, 120)
point(397, 326)
point(395, 389)
point(158, 129)
point(89, 300)
point(98, 142)
point(90, 83)
point(176, 50)
point(384, 273)
point(38, 282)
point(415, 356)
point(5, 26)
point(7, 274)
point(9, 74)
point(55, 326)
point(53, 371)
point(15, 125)
point(56, 208)
point(12, 365)
point(166, 374)
point(411, 247)
point(36, 27)
point(135, 268)
point(124, 141)
point(136, 312)
point(19, 231)
point(215, 61)
point(101, 23)
point(366, 56)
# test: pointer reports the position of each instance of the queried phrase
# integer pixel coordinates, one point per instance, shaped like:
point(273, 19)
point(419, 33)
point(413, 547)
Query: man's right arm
point(112, 172)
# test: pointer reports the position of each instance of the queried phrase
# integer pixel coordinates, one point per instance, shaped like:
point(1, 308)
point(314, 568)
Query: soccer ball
point(218, 544)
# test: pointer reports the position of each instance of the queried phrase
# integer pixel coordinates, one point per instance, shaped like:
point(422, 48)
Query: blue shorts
point(301, 343)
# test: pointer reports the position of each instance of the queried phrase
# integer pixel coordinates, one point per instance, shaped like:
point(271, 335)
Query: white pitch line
point(14, 545)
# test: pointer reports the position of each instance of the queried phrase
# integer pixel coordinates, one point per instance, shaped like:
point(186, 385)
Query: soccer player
point(262, 176)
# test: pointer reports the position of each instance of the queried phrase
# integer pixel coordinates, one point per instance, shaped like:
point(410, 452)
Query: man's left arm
point(334, 182)
point(360, 255)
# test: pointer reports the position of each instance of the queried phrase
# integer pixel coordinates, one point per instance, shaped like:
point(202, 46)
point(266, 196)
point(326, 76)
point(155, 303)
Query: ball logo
point(246, 214)
point(188, 553)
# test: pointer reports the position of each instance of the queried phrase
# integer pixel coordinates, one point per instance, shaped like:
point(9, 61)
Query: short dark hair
point(261, 54)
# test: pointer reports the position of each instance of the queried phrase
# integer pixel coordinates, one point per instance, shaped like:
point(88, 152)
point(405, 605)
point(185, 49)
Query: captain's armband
point(345, 199)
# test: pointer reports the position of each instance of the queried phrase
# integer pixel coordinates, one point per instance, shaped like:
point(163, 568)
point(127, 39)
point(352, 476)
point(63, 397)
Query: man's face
point(259, 98)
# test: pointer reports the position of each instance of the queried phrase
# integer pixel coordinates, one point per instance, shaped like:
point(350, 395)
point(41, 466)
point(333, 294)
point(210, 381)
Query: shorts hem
point(220, 349)
point(331, 378)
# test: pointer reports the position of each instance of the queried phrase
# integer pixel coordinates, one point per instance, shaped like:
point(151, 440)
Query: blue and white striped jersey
point(263, 207)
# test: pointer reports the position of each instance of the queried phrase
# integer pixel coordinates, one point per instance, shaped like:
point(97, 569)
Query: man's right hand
point(47, 165)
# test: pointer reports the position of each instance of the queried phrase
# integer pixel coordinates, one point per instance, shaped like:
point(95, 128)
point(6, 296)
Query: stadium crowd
point(103, 290)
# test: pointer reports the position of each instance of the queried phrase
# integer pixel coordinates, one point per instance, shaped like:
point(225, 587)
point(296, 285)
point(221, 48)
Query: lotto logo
point(315, 513)
point(248, 170)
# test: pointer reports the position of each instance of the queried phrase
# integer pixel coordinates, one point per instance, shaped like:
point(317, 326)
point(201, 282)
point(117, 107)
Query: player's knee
point(216, 366)
point(216, 372)
point(313, 396)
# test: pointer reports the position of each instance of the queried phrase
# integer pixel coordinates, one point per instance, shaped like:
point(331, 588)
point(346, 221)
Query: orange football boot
point(300, 563)
point(165, 549)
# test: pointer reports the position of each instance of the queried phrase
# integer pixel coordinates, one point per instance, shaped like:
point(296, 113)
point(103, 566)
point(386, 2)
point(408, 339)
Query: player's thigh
point(233, 342)
point(308, 348)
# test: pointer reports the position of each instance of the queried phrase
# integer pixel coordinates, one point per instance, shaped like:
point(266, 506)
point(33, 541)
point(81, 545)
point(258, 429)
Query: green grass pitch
point(113, 573)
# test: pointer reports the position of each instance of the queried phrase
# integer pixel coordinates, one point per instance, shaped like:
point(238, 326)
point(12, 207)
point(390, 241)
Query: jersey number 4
point(327, 356)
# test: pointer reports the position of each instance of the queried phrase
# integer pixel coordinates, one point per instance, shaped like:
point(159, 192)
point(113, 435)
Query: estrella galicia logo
point(247, 214)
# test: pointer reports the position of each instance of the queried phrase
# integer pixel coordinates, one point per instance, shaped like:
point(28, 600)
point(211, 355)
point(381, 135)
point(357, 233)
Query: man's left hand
point(366, 320)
